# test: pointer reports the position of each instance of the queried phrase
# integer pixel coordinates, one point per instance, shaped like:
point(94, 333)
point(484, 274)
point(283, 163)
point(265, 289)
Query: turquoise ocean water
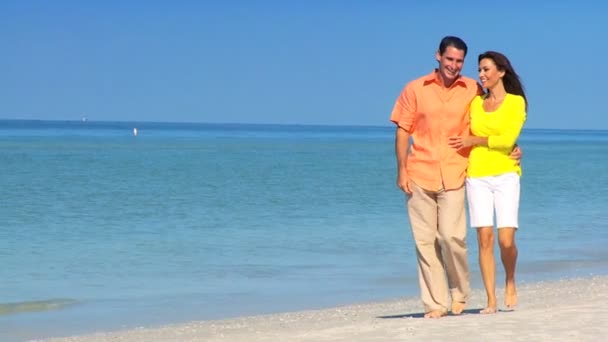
point(101, 229)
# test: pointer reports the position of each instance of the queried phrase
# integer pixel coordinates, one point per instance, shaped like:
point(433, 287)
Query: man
point(429, 110)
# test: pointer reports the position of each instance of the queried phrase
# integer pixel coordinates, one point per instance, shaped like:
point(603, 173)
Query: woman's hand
point(460, 142)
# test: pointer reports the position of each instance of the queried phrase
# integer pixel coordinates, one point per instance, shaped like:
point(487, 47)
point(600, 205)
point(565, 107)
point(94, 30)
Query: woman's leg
point(487, 265)
point(508, 255)
point(507, 216)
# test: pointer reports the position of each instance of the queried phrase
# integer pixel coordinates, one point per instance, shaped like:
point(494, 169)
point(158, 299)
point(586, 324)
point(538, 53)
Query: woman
point(492, 183)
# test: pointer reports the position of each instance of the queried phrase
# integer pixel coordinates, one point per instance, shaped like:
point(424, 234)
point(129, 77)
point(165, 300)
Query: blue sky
point(287, 62)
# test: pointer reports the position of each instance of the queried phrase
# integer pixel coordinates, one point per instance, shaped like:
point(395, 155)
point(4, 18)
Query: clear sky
point(288, 62)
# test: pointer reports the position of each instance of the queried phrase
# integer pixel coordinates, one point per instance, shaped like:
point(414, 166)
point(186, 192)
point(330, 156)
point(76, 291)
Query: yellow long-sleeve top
point(502, 127)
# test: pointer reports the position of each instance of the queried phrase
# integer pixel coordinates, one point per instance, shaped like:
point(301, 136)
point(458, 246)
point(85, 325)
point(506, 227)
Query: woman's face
point(489, 75)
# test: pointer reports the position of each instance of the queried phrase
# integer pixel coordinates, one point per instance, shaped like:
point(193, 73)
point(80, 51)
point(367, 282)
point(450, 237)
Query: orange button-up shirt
point(431, 113)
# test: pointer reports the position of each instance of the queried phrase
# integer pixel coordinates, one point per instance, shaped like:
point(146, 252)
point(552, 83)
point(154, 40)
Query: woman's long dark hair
point(510, 80)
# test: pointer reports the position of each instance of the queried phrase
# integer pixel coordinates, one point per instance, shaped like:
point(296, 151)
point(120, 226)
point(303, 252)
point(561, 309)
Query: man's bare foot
point(435, 314)
point(510, 296)
point(458, 307)
point(488, 310)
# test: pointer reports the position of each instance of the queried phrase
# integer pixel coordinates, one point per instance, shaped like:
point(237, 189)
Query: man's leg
point(422, 209)
point(452, 233)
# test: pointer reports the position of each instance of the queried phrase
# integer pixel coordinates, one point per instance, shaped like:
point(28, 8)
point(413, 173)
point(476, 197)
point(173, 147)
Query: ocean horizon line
point(176, 124)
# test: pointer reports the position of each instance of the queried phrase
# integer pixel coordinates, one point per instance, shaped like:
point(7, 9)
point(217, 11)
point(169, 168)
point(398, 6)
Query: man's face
point(450, 63)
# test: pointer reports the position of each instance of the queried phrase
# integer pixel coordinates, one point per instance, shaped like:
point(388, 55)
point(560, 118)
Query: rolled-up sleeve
point(405, 108)
point(512, 128)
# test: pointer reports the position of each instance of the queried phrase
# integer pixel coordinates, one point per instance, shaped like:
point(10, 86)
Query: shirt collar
point(434, 77)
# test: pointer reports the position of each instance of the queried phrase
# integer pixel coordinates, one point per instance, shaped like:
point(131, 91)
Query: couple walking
point(461, 137)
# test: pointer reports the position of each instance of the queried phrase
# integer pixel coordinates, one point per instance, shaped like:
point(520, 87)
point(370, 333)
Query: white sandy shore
point(567, 310)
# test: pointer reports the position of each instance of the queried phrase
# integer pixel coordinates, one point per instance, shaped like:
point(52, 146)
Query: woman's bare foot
point(510, 296)
point(488, 310)
point(458, 307)
point(435, 314)
point(491, 307)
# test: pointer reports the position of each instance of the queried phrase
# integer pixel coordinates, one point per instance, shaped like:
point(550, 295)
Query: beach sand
point(565, 310)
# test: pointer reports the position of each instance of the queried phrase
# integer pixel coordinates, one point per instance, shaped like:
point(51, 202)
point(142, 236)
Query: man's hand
point(403, 182)
point(516, 154)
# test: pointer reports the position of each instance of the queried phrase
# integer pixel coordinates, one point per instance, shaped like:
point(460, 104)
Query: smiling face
point(489, 75)
point(450, 64)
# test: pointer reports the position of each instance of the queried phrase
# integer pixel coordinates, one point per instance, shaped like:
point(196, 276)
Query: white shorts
point(494, 193)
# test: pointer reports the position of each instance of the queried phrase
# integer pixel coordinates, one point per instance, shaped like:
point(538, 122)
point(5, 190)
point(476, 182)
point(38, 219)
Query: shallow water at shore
point(188, 222)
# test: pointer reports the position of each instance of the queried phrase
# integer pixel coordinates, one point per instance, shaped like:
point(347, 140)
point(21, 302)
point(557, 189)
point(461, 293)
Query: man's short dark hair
point(454, 42)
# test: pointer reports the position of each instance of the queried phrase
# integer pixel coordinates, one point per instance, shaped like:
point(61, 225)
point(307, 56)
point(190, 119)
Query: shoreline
point(566, 310)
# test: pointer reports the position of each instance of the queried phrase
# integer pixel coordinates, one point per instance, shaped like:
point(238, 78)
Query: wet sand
point(565, 310)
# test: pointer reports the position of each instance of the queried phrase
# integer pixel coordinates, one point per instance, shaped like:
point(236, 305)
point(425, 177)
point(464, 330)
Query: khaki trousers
point(438, 222)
